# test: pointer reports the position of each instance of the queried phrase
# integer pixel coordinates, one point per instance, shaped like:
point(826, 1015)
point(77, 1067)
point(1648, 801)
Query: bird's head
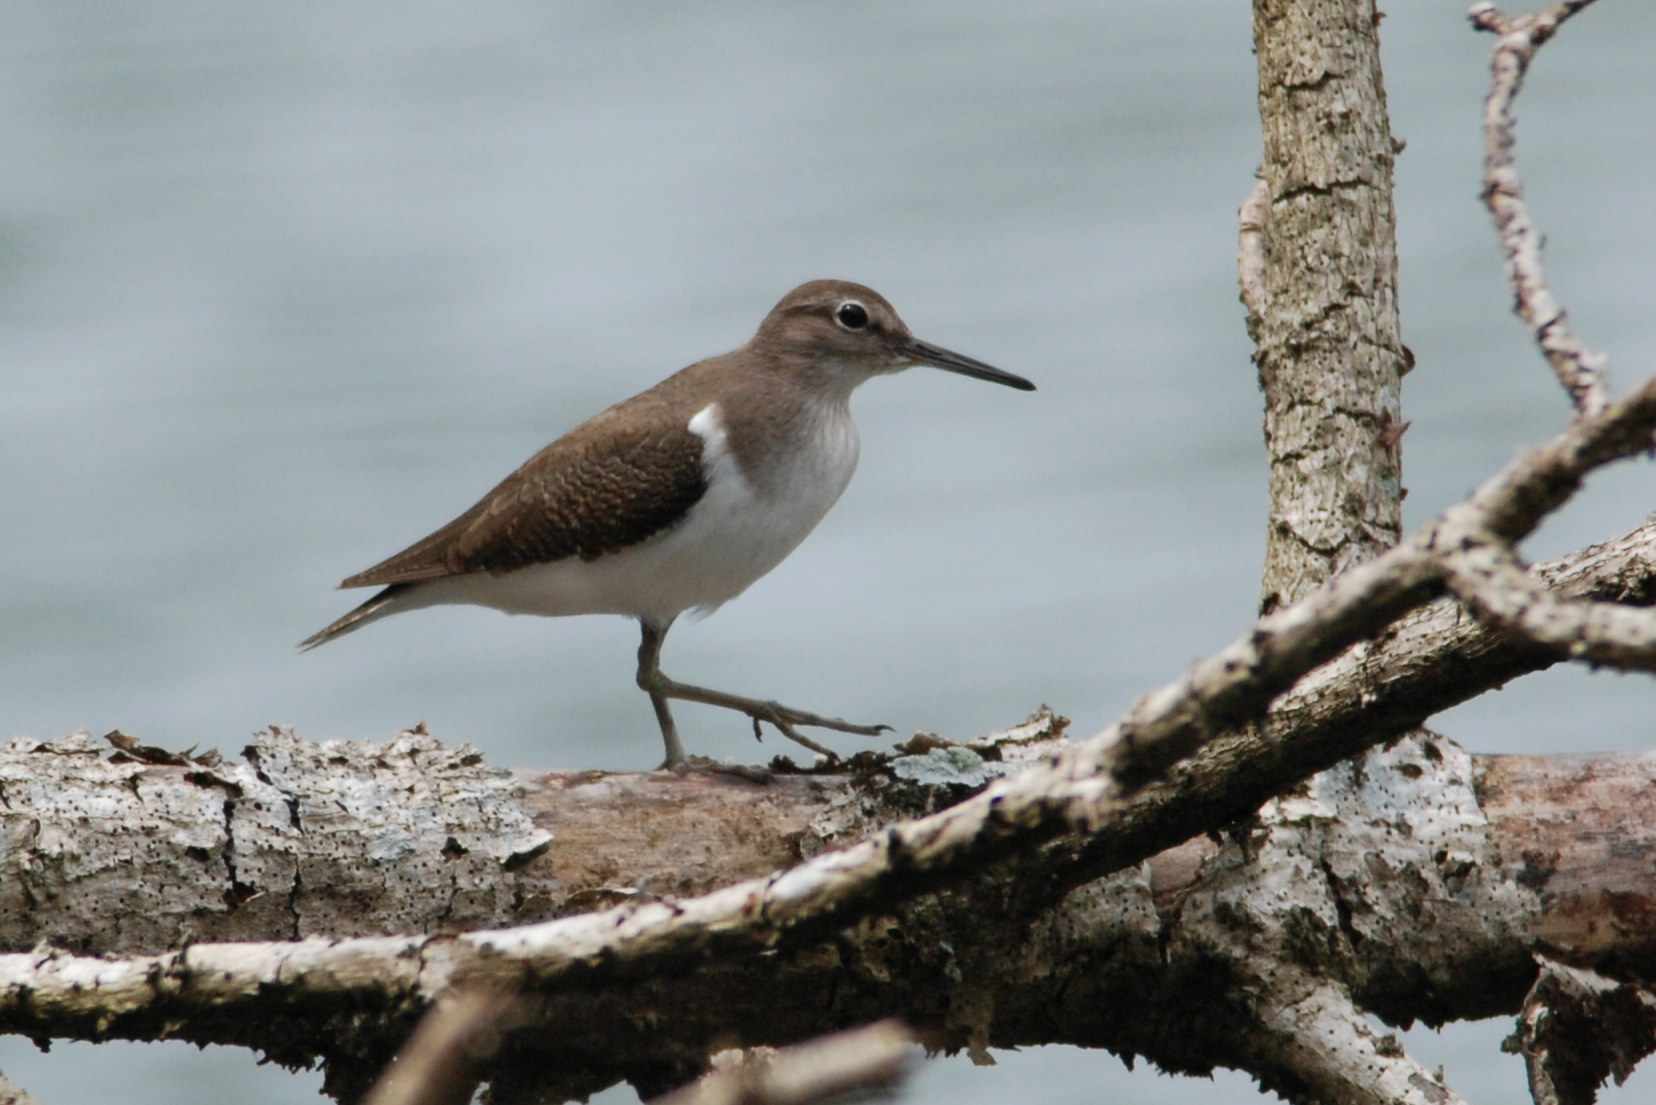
point(844, 333)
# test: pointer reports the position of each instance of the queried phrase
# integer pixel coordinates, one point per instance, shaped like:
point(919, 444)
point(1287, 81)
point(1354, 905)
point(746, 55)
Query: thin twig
point(864, 1060)
point(1483, 569)
point(1486, 575)
point(1579, 369)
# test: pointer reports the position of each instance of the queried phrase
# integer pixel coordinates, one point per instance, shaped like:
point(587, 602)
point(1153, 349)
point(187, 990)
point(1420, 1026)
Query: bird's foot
point(786, 717)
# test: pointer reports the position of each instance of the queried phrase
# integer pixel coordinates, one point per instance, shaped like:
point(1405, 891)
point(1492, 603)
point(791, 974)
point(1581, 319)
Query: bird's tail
point(381, 605)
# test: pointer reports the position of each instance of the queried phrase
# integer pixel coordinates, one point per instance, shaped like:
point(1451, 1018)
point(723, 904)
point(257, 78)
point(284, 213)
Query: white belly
point(739, 530)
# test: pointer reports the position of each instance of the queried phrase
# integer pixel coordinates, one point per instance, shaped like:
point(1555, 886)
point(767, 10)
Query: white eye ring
point(851, 315)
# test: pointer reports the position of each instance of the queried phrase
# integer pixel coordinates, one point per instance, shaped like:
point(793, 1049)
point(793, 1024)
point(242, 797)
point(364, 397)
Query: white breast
point(744, 527)
point(740, 529)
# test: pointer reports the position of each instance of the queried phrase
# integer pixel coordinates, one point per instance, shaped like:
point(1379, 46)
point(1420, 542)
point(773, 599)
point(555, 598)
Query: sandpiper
point(678, 498)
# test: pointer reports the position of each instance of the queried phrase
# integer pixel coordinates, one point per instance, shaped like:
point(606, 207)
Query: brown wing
point(605, 485)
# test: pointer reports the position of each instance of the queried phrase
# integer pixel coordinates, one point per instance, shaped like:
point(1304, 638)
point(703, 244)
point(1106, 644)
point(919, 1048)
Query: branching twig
point(1484, 570)
point(1488, 577)
point(860, 1061)
point(1241, 679)
point(1578, 368)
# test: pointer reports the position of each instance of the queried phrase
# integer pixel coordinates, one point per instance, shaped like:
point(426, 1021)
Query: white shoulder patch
point(717, 459)
point(709, 426)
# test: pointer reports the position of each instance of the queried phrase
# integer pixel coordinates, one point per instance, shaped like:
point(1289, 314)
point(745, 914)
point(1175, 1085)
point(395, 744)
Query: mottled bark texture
point(102, 853)
point(1328, 346)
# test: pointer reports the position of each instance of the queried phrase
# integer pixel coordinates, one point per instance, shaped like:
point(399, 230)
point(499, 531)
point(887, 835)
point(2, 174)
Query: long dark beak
point(938, 357)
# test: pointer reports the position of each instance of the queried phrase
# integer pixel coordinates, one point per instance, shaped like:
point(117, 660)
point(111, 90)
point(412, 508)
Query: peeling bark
point(343, 837)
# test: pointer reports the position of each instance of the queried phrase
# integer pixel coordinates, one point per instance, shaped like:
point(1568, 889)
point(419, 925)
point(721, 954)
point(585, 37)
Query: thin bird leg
point(649, 673)
point(660, 688)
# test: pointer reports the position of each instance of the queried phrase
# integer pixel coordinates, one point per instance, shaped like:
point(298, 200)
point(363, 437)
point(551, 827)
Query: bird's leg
point(660, 688)
point(649, 673)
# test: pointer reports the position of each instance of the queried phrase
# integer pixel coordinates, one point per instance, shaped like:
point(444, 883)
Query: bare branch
point(1578, 368)
point(862, 1061)
point(1235, 683)
point(1322, 1040)
point(1579, 1028)
point(1437, 657)
point(1483, 569)
point(1488, 576)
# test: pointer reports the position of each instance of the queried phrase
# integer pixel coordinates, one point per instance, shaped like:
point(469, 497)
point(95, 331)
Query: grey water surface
point(282, 287)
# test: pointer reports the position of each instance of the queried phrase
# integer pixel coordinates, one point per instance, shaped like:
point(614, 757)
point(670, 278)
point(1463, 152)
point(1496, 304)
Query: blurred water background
point(282, 287)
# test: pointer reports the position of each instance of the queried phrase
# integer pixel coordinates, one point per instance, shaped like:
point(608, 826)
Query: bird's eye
point(852, 315)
